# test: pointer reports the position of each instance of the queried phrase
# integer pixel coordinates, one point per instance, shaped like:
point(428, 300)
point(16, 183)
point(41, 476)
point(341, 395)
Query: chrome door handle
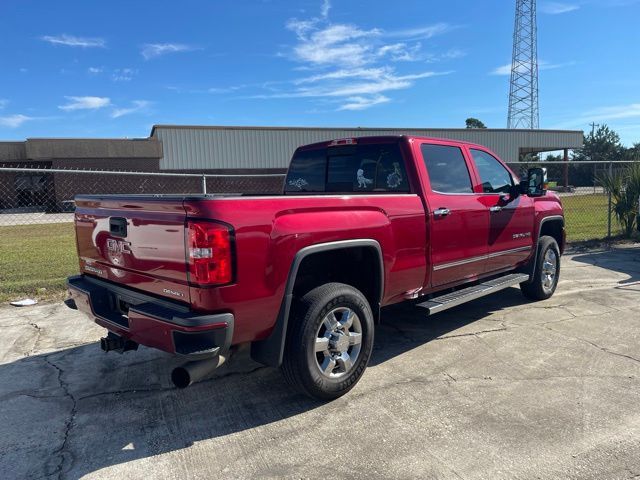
point(497, 208)
point(441, 212)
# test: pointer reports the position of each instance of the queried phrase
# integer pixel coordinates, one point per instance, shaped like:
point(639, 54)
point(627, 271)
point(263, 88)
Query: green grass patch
point(36, 257)
point(586, 217)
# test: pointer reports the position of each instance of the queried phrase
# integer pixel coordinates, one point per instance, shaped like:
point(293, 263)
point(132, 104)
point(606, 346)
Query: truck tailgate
point(135, 241)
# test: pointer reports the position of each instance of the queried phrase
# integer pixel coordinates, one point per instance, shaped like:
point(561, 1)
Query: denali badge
point(521, 235)
point(172, 292)
point(89, 268)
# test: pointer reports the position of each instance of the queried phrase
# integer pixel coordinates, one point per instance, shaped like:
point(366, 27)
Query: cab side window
point(447, 169)
point(494, 177)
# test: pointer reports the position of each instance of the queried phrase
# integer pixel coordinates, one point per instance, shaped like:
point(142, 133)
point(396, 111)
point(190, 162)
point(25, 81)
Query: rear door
point(458, 223)
point(510, 220)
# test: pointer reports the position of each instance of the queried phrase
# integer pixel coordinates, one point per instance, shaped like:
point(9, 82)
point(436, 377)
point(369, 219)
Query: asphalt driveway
point(499, 388)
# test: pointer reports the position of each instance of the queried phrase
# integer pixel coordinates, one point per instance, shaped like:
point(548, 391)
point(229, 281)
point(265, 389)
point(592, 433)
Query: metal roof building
point(249, 148)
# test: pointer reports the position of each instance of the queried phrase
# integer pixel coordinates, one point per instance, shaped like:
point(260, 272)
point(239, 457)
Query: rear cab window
point(359, 168)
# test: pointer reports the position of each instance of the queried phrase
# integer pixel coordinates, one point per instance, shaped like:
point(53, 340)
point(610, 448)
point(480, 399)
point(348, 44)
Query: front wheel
point(546, 271)
point(329, 342)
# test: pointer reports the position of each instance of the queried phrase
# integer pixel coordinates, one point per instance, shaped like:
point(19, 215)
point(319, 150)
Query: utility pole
point(523, 90)
point(593, 127)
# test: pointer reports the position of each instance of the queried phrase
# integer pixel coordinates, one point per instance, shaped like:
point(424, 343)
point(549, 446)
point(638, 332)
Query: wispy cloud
point(123, 74)
point(153, 50)
point(424, 32)
point(3, 103)
point(137, 106)
point(85, 103)
point(14, 121)
point(324, 9)
point(354, 66)
point(361, 103)
point(542, 65)
point(95, 70)
point(616, 112)
point(557, 8)
point(73, 41)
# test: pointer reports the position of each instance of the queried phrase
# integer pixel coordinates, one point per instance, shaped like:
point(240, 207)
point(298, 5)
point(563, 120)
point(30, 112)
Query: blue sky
point(115, 68)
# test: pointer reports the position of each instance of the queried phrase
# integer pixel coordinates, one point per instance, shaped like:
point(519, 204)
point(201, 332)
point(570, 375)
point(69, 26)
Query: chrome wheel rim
point(549, 270)
point(338, 342)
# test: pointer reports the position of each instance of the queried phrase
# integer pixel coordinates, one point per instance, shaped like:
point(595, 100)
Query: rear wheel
point(546, 273)
point(329, 342)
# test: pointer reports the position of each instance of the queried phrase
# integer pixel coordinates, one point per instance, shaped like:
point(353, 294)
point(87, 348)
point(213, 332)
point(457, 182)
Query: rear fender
point(271, 350)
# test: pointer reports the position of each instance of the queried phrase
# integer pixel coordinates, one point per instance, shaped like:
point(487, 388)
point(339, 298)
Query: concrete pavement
point(499, 388)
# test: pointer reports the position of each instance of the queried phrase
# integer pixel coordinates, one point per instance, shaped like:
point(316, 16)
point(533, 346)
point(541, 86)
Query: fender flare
point(271, 350)
point(532, 267)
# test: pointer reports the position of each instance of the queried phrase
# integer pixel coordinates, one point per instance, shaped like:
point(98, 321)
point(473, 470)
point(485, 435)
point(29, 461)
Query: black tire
point(538, 288)
point(301, 363)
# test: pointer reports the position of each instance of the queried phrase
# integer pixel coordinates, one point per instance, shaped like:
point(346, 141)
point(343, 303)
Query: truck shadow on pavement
point(77, 411)
point(616, 260)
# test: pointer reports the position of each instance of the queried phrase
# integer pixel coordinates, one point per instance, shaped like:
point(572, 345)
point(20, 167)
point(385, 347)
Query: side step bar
point(450, 300)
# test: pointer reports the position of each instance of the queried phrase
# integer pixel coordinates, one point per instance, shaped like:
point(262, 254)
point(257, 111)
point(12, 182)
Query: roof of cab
point(388, 139)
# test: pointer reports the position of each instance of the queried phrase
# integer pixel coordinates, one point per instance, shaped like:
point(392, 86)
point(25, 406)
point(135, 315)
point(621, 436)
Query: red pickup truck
point(301, 277)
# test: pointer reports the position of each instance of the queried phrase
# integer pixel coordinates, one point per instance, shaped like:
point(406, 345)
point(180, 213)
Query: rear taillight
point(209, 253)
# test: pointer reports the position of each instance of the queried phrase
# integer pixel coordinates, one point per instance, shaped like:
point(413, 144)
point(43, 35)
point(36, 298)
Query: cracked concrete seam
point(60, 452)
point(593, 344)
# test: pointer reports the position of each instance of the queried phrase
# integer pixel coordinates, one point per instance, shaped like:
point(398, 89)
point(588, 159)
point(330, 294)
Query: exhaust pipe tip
point(180, 377)
point(193, 372)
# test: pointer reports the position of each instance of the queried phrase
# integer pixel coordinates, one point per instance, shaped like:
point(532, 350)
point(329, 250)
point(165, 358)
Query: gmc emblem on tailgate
point(118, 246)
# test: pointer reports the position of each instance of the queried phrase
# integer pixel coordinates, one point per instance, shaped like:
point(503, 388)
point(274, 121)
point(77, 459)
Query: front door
point(510, 222)
point(458, 224)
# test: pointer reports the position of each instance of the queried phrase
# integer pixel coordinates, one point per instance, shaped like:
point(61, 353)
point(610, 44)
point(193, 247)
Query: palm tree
point(624, 187)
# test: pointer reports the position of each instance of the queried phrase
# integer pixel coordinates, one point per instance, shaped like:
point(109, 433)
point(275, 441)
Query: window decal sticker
point(362, 180)
point(394, 179)
point(300, 183)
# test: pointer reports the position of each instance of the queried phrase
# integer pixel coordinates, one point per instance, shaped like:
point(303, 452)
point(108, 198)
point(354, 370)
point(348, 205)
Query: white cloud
point(324, 8)
point(333, 44)
point(95, 70)
point(361, 103)
point(138, 105)
point(72, 41)
point(502, 70)
point(123, 74)
point(426, 32)
point(14, 121)
point(557, 8)
point(153, 50)
point(353, 66)
point(523, 67)
point(3, 103)
point(85, 103)
point(616, 112)
point(401, 52)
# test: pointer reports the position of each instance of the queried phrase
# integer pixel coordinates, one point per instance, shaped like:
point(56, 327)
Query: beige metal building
point(224, 151)
point(197, 148)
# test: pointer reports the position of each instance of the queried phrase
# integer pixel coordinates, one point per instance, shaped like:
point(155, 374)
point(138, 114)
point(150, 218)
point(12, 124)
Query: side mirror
point(535, 183)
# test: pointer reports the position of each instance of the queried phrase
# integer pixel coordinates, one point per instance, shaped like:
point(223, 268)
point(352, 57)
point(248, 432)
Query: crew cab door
point(458, 223)
point(511, 220)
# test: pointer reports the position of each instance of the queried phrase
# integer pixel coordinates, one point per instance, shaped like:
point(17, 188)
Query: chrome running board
point(450, 300)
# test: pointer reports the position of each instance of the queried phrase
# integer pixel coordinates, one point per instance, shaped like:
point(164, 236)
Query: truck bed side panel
point(269, 231)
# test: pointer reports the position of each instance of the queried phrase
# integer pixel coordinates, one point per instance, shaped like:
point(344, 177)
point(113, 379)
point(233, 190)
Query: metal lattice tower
point(523, 91)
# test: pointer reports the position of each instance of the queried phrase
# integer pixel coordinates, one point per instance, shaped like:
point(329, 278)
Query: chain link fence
point(43, 196)
point(588, 206)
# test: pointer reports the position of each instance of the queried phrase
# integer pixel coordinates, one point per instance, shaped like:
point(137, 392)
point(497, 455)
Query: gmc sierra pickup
point(301, 277)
